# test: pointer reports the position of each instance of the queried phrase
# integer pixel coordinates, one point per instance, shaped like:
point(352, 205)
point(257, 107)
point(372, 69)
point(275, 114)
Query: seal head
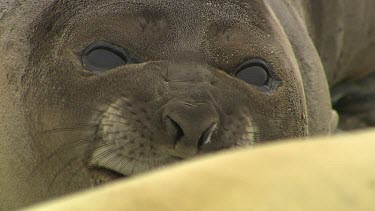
point(116, 88)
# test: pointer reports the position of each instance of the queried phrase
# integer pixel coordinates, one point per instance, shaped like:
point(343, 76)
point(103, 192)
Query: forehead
point(185, 12)
point(174, 25)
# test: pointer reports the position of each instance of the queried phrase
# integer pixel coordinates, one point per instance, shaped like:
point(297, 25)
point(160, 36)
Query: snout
point(190, 125)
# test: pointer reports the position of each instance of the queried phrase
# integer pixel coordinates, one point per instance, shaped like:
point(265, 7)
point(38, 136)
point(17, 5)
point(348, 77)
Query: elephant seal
point(96, 90)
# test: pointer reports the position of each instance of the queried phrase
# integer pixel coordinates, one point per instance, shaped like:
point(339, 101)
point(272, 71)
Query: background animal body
point(67, 125)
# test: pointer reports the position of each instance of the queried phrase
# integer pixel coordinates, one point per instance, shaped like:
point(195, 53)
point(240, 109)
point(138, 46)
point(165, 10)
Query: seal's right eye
point(102, 56)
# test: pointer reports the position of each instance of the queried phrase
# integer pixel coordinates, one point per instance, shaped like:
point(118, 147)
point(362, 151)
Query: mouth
point(103, 175)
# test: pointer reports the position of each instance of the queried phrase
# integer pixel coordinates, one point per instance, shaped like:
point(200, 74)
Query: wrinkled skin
point(66, 128)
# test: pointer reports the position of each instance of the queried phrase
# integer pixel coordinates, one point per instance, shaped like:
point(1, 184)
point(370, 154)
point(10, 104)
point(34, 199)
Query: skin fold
point(67, 127)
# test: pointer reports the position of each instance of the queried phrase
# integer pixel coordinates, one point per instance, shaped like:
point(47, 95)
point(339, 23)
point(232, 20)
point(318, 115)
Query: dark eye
point(101, 56)
point(254, 72)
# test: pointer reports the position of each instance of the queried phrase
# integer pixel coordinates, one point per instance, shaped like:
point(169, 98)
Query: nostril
point(174, 129)
point(206, 135)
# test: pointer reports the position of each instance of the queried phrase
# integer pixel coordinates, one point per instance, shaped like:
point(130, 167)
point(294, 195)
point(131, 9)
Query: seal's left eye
point(254, 72)
point(102, 56)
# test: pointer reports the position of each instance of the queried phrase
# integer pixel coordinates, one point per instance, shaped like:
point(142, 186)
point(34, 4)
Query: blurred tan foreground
point(324, 174)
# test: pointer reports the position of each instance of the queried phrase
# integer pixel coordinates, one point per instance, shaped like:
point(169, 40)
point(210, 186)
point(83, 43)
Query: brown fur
point(60, 122)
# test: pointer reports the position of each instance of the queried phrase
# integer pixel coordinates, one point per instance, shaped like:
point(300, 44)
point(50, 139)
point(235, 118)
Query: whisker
point(81, 167)
point(108, 122)
point(70, 145)
point(101, 155)
point(113, 114)
point(104, 154)
point(68, 129)
point(63, 148)
point(62, 169)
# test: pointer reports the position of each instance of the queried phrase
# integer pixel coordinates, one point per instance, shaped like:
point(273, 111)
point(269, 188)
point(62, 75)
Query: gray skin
point(65, 128)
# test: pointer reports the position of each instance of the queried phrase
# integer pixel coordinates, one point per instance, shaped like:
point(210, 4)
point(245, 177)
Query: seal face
point(126, 88)
point(115, 88)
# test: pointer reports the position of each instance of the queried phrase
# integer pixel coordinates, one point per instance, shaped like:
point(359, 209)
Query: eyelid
point(104, 45)
point(253, 62)
point(114, 51)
